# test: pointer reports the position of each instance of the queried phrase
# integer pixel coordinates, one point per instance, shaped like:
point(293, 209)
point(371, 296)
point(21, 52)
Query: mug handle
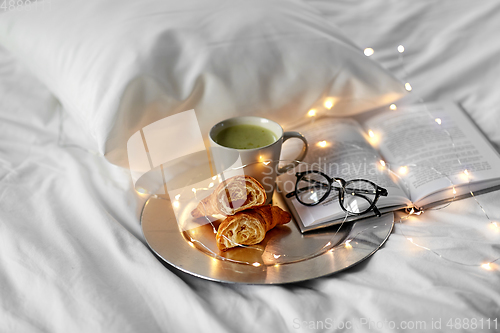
point(302, 155)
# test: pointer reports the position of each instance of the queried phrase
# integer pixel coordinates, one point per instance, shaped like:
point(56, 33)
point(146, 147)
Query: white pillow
point(119, 65)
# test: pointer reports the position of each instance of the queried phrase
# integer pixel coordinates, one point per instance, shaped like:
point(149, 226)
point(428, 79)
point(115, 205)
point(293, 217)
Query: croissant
point(249, 227)
point(231, 196)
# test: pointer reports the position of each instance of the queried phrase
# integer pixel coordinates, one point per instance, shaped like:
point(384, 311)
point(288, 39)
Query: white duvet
point(73, 258)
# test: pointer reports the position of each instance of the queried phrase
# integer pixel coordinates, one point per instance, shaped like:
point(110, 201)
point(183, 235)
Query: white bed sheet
point(73, 259)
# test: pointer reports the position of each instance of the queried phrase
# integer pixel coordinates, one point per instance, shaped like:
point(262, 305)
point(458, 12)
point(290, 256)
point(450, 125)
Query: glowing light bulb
point(194, 190)
point(368, 51)
point(466, 172)
point(214, 177)
point(382, 162)
point(210, 185)
point(438, 121)
point(348, 244)
point(176, 204)
point(401, 48)
point(393, 107)
point(311, 113)
point(328, 103)
point(407, 86)
point(403, 170)
point(322, 144)
point(256, 264)
point(486, 266)
point(495, 224)
point(371, 134)
point(177, 197)
point(141, 190)
point(454, 191)
point(410, 239)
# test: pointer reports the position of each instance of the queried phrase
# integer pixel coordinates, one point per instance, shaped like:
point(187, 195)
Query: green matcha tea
point(245, 137)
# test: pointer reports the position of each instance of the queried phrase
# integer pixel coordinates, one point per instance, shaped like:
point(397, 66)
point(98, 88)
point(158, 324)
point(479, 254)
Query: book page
point(338, 148)
point(436, 143)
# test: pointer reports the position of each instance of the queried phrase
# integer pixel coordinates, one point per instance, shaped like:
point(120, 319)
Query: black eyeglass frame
point(379, 191)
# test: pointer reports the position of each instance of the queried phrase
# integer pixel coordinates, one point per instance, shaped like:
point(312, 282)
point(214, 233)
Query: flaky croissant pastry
point(249, 227)
point(231, 196)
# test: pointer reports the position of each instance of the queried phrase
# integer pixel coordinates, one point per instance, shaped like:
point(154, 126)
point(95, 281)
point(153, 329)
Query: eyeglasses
point(356, 196)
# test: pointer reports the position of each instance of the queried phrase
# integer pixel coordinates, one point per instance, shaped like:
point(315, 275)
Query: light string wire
point(328, 104)
point(418, 211)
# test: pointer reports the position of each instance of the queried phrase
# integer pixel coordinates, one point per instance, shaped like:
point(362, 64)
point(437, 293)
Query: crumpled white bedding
point(73, 258)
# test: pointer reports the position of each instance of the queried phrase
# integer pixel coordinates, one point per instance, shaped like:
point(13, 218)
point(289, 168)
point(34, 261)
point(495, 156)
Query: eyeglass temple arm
point(380, 191)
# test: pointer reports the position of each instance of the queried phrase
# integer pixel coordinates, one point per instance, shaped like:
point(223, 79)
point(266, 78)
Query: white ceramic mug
point(260, 163)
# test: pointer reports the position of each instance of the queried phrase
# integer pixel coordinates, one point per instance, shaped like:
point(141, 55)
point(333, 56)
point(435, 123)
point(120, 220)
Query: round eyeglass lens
point(359, 196)
point(311, 188)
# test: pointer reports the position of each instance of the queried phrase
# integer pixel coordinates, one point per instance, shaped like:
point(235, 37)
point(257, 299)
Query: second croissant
point(231, 196)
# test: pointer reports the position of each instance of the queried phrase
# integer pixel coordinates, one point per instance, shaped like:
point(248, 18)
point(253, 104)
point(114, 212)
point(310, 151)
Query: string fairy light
point(466, 172)
point(322, 144)
point(412, 211)
point(486, 266)
point(404, 169)
point(328, 103)
point(368, 51)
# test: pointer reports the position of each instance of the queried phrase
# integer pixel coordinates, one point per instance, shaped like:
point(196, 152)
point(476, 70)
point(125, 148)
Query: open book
point(424, 155)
